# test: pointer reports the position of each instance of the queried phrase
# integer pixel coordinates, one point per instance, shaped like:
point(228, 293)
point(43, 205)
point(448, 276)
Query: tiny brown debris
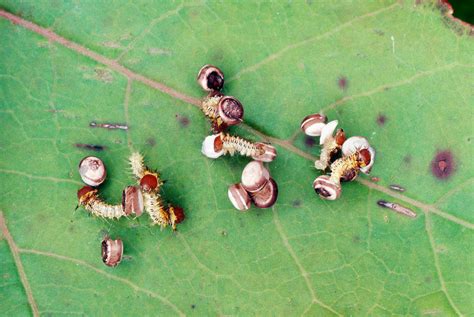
point(381, 119)
point(111, 126)
point(343, 82)
point(397, 187)
point(183, 120)
point(375, 179)
point(92, 147)
point(397, 208)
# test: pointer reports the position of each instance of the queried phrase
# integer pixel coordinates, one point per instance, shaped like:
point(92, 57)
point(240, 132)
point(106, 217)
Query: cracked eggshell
point(354, 144)
point(210, 146)
point(368, 168)
point(313, 124)
point(327, 131)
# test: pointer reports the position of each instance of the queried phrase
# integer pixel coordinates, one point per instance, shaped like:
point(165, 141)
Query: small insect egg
point(230, 110)
point(267, 196)
point(149, 182)
point(132, 201)
point(239, 197)
point(254, 176)
point(268, 154)
point(354, 144)
point(327, 131)
point(92, 171)
point(326, 188)
point(112, 251)
point(212, 146)
point(313, 124)
point(210, 78)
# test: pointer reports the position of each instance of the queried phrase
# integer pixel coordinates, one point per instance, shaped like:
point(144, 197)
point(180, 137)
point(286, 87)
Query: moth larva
point(90, 200)
point(150, 184)
point(216, 145)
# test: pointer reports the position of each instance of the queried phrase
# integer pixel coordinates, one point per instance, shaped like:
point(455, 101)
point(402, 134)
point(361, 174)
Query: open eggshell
point(208, 148)
point(254, 176)
point(313, 124)
point(354, 144)
point(366, 169)
point(327, 131)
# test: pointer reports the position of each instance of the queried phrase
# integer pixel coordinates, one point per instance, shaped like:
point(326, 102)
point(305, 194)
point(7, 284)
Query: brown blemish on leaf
point(442, 165)
point(343, 82)
point(379, 32)
point(407, 159)
point(381, 119)
point(309, 141)
point(356, 239)
point(296, 203)
point(151, 142)
point(183, 120)
point(92, 147)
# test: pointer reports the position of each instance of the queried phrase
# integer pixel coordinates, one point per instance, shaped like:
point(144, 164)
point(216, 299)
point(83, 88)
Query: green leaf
point(396, 72)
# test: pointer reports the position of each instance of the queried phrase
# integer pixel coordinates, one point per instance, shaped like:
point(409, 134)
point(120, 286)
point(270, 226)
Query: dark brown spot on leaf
point(183, 120)
point(296, 203)
point(92, 147)
point(343, 82)
point(379, 32)
point(151, 142)
point(442, 165)
point(381, 119)
point(407, 159)
point(309, 141)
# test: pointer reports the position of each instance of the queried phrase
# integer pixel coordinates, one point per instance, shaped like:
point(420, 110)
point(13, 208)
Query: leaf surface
point(398, 73)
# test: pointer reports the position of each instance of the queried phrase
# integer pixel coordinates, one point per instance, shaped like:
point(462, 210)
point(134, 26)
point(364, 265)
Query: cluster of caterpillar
point(150, 183)
point(90, 200)
point(147, 197)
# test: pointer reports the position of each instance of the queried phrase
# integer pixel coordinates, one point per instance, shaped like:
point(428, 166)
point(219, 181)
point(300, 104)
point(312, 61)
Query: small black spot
point(381, 119)
point(356, 239)
point(193, 306)
point(151, 142)
point(183, 120)
point(442, 165)
point(407, 159)
point(343, 82)
point(296, 203)
point(92, 147)
point(309, 141)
